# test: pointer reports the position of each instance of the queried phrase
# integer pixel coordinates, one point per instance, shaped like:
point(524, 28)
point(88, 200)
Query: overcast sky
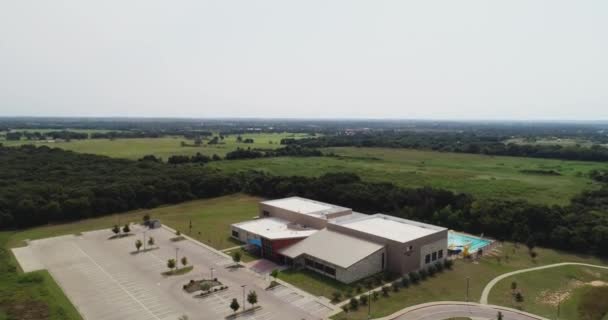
point(516, 59)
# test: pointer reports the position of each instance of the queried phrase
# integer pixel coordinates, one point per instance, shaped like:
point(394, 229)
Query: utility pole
point(467, 300)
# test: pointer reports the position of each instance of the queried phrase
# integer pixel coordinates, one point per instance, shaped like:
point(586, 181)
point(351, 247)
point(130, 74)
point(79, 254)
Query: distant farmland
point(162, 147)
point(480, 175)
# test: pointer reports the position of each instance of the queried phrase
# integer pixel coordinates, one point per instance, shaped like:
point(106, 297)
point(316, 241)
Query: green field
point(163, 147)
point(451, 284)
point(543, 290)
point(480, 175)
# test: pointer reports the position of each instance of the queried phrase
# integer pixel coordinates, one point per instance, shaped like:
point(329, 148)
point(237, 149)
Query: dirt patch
point(554, 297)
point(598, 283)
point(27, 310)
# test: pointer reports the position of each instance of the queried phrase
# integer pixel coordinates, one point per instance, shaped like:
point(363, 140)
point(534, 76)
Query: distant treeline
point(43, 185)
point(455, 142)
point(240, 153)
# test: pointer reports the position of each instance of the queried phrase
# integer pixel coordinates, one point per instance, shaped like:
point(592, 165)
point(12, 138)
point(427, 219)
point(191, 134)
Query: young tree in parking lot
point(275, 273)
point(252, 298)
point(116, 229)
point(234, 305)
point(236, 257)
point(499, 316)
point(184, 261)
point(138, 244)
point(150, 241)
point(171, 264)
point(146, 219)
point(126, 228)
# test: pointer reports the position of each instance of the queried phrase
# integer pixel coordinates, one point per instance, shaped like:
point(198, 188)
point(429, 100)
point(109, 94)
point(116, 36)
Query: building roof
point(274, 228)
point(305, 206)
point(336, 248)
point(392, 228)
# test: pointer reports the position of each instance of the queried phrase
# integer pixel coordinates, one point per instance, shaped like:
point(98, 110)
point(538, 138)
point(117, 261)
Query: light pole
point(212, 273)
point(144, 240)
point(176, 263)
point(243, 286)
point(467, 289)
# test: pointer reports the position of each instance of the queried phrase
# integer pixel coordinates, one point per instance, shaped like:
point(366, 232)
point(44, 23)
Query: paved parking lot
point(105, 280)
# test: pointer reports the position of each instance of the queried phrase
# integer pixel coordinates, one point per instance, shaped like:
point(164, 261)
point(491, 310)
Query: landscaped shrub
point(414, 277)
point(431, 270)
point(369, 284)
point(385, 290)
point(395, 286)
point(363, 300)
point(378, 280)
point(354, 304)
point(336, 296)
point(345, 308)
point(349, 293)
point(448, 264)
point(423, 274)
point(405, 282)
point(439, 266)
point(359, 289)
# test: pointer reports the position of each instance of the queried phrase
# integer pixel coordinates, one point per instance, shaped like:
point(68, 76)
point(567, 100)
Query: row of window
point(319, 266)
point(433, 256)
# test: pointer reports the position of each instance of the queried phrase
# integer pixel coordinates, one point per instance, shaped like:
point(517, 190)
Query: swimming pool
point(459, 240)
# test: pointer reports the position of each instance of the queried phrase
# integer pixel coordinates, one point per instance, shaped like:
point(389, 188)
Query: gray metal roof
point(336, 248)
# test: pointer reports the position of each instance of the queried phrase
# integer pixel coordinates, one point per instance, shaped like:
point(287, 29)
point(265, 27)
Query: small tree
point(448, 264)
point(171, 264)
point(513, 286)
point(184, 261)
point(345, 308)
point(519, 297)
point(116, 229)
point(499, 316)
point(234, 305)
point(354, 304)
point(146, 219)
point(363, 300)
point(178, 233)
point(138, 244)
point(275, 273)
point(405, 282)
point(126, 228)
point(236, 257)
point(252, 298)
point(150, 241)
point(375, 295)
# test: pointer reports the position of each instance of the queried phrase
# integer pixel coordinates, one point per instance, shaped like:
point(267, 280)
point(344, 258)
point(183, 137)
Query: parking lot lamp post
point(212, 273)
point(144, 240)
point(176, 250)
point(243, 286)
point(467, 300)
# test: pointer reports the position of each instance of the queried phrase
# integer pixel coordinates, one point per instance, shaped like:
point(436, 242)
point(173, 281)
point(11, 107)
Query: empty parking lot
point(105, 280)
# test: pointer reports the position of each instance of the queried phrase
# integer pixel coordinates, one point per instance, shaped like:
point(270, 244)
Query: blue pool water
point(459, 240)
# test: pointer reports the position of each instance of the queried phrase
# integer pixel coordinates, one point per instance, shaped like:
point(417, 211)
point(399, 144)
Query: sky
point(511, 60)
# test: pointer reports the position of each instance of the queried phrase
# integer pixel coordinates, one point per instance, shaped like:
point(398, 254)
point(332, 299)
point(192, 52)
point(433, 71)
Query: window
point(265, 213)
point(319, 266)
point(427, 259)
point(330, 270)
point(235, 233)
point(440, 255)
point(308, 262)
point(434, 256)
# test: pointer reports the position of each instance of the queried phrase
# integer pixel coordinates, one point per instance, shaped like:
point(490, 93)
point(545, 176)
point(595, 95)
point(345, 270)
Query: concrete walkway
point(441, 310)
point(486, 291)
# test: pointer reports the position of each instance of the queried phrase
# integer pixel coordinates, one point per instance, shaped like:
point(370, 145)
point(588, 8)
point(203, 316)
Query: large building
point(338, 242)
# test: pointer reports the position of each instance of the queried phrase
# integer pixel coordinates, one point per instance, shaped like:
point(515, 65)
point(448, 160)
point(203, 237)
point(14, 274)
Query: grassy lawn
point(211, 219)
point(163, 147)
point(543, 290)
point(483, 176)
point(451, 284)
point(318, 284)
point(32, 296)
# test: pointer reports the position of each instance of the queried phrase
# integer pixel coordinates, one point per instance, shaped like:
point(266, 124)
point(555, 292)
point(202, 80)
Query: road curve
point(449, 309)
point(486, 290)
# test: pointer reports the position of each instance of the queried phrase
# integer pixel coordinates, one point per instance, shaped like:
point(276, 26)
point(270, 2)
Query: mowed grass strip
point(544, 290)
point(483, 176)
point(163, 147)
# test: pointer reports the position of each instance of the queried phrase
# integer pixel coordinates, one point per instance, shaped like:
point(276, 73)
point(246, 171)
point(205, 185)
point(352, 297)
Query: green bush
point(414, 277)
point(448, 263)
point(423, 274)
point(405, 282)
point(354, 304)
point(439, 266)
point(431, 270)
